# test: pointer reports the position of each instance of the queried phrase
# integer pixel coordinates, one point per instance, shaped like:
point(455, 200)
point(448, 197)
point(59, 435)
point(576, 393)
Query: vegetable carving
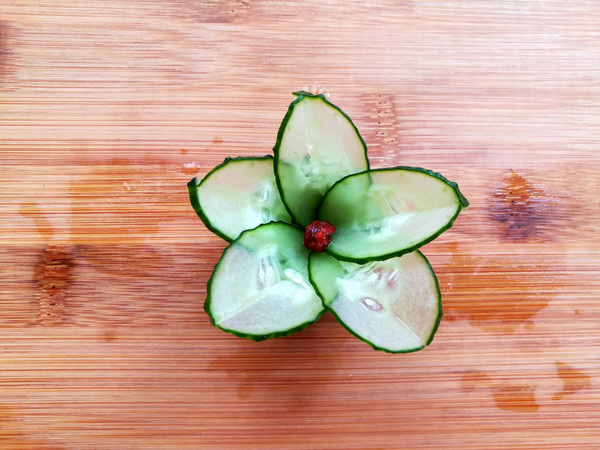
point(314, 229)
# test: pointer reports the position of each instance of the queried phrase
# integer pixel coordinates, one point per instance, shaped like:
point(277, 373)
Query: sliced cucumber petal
point(317, 144)
point(393, 305)
point(239, 194)
point(383, 213)
point(260, 288)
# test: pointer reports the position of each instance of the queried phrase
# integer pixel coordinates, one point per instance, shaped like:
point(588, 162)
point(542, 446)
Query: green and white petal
point(260, 288)
point(317, 144)
point(239, 194)
point(393, 305)
point(383, 213)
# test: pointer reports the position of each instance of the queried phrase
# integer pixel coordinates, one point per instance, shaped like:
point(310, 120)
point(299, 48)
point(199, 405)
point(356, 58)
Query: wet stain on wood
point(53, 274)
point(40, 220)
point(522, 211)
point(109, 336)
point(516, 397)
point(573, 380)
point(139, 284)
point(119, 197)
point(509, 291)
point(473, 380)
point(135, 261)
point(287, 362)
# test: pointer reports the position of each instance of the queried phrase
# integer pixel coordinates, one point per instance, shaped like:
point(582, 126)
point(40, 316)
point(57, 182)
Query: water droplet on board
point(573, 380)
point(190, 168)
point(316, 89)
point(371, 304)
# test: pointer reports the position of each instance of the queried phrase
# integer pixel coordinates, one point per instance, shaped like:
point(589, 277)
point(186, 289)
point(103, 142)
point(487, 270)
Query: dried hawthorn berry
point(317, 236)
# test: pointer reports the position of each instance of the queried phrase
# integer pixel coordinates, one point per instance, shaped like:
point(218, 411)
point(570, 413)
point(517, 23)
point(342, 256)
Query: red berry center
point(317, 236)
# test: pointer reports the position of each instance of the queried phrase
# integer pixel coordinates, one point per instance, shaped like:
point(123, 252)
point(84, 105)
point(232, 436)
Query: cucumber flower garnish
point(314, 229)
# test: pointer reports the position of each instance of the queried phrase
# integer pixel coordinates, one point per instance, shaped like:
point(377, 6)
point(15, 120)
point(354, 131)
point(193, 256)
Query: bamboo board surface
point(108, 108)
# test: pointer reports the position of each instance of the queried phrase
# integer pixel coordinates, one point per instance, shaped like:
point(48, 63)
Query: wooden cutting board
point(108, 108)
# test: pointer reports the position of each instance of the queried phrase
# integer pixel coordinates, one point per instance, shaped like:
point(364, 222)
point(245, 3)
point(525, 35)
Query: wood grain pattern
point(107, 108)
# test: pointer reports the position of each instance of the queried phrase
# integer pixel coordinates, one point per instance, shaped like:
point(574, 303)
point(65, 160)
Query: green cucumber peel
point(460, 203)
point(248, 292)
point(267, 284)
point(299, 213)
point(329, 295)
point(209, 200)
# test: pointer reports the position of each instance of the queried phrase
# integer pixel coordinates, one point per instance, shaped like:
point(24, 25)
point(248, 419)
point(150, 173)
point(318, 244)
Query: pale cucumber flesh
point(238, 195)
point(372, 277)
point(393, 305)
point(260, 287)
point(383, 213)
point(317, 145)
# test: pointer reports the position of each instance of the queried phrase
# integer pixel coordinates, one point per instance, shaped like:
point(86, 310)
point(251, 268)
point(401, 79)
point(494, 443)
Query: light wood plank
point(108, 108)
